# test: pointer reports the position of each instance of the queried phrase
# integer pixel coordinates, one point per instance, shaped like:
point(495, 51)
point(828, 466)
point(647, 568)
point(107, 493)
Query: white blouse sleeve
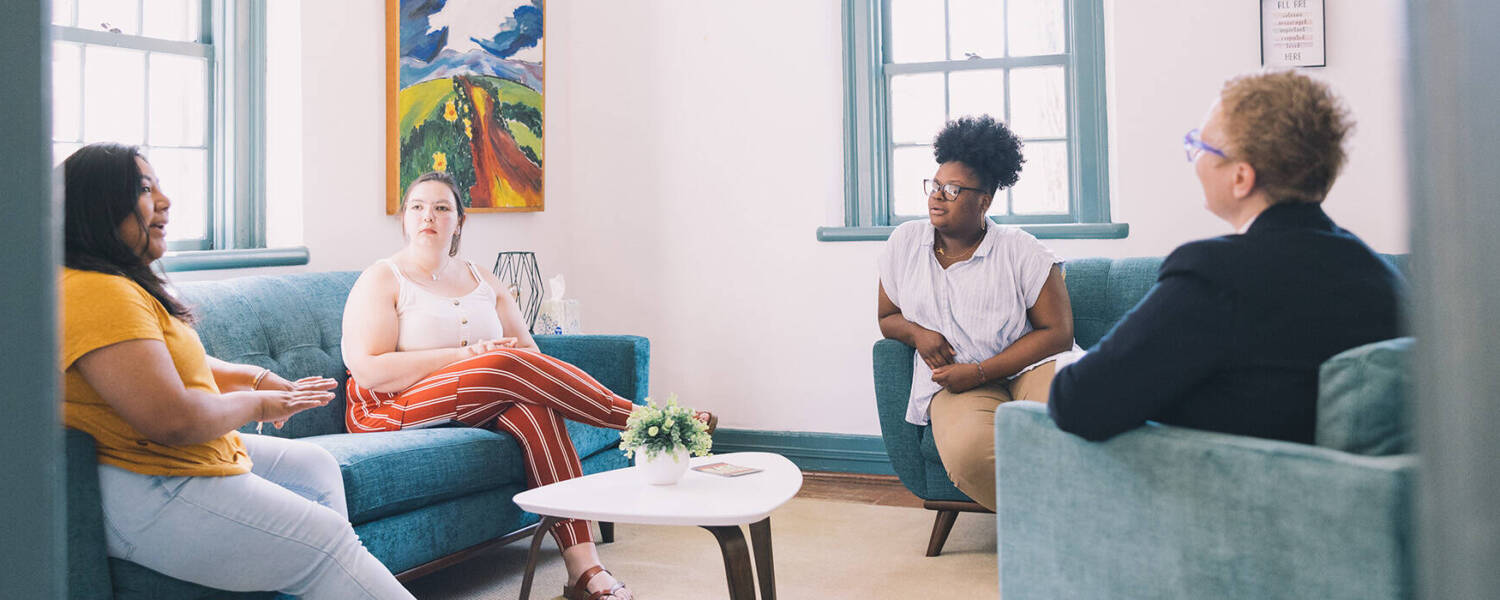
point(895, 251)
point(1033, 265)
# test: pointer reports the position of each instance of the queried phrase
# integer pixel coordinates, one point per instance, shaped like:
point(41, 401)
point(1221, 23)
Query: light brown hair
point(1291, 130)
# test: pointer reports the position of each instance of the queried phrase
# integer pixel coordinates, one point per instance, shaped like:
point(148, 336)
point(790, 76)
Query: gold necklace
point(971, 250)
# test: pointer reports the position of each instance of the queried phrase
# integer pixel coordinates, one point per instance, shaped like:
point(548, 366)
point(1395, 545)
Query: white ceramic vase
point(664, 468)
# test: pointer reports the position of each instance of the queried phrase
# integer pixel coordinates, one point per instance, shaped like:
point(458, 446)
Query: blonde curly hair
point(1290, 128)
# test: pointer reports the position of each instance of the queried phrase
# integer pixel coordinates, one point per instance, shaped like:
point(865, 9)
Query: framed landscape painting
point(464, 85)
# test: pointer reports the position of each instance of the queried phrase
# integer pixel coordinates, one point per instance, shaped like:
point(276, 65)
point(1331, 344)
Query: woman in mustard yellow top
point(183, 492)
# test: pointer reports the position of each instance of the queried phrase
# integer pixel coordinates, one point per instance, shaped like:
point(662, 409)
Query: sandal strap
point(582, 585)
point(609, 593)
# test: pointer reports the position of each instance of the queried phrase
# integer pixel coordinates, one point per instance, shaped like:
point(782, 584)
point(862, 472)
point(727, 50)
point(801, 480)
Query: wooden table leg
point(606, 532)
point(736, 561)
point(536, 544)
point(765, 568)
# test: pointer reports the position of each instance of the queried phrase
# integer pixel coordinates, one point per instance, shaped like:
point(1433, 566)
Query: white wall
point(693, 148)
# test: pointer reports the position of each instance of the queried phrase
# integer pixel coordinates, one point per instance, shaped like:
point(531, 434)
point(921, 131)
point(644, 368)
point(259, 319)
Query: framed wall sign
point(464, 95)
point(1292, 33)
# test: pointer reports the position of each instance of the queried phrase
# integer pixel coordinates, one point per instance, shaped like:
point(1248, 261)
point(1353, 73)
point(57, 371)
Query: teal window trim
point(1042, 231)
point(206, 260)
point(867, 197)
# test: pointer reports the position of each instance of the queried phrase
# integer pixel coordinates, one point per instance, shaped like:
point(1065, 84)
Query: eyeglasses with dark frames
point(950, 190)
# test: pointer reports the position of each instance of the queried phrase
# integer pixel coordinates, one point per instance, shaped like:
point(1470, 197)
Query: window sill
point(1048, 231)
point(208, 260)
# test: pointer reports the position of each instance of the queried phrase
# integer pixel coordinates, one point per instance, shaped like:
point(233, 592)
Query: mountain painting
point(464, 85)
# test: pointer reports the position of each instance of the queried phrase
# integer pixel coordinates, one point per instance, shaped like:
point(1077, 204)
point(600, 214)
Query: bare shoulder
point(376, 280)
point(489, 278)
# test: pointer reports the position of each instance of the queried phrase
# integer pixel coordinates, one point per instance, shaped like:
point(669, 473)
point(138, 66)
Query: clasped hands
point(479, 348)
point(938, 354)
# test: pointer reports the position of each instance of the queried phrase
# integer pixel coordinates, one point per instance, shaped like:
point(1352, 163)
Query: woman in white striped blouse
point(984, 305)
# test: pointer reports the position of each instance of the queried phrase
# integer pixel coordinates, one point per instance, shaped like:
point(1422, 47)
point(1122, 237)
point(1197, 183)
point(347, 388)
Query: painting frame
point(506, 175)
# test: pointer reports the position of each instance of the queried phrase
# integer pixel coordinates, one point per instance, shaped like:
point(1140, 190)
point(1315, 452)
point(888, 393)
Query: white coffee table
point(716, 503)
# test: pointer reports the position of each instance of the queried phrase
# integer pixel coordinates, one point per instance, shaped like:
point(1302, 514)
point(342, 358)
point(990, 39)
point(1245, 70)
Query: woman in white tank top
point(429, 340)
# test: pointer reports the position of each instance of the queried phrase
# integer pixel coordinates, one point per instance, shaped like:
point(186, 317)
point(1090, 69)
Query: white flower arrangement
point(660, 430)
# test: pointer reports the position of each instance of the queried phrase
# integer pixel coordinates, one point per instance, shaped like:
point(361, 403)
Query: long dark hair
point(102, 186)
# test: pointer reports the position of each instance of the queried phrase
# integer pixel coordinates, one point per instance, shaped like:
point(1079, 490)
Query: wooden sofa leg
point(606, 532)
point(947, 513)
point(940, 529)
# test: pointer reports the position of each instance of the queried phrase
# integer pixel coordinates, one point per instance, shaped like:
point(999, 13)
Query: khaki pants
point(963, 426)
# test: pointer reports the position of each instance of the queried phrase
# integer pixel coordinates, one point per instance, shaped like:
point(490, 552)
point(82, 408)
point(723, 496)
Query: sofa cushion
point(588, 439)
point(1362, 399)
point(392, 472)
point(290, 324)
point(1102, 290)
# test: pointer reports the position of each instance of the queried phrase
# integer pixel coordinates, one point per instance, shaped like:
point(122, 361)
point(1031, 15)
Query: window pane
point(61, 151)
point(177, 100)
point(916, 31)
point(114, 95)
point(183, 174)
point(109, 15)
point(172, 19)
point(1036, 27)
point(62, 12)
point(67, 96)
point(1043, 186)
point(976, 93)
point(1038, 102)
point(977, 28)
point(916, 107)
point(909, 166)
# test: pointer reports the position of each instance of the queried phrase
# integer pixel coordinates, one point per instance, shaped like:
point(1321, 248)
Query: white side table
point(716, 503)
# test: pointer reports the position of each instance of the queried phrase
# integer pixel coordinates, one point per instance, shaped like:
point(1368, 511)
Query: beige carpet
point(823, 549)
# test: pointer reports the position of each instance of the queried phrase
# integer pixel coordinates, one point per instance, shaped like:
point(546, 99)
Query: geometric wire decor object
point(519, 272)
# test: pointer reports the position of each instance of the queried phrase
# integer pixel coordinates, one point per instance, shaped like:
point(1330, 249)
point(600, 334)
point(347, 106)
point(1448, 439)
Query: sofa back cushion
point(290, 324)
point(1362, 396)
point(1103, 289)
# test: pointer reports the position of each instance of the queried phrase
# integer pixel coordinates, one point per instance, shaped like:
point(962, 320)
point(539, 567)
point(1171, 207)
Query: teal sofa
point(418, 499)
point(1169, 512)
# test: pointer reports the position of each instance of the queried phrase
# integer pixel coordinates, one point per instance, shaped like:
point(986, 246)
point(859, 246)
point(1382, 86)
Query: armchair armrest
point(88, 565)
point(621, 362)
point(903, 441)
point(1170, 512)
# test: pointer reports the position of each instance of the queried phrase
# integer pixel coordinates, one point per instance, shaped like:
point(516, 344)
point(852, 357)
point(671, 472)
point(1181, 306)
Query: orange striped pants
point(526, 394)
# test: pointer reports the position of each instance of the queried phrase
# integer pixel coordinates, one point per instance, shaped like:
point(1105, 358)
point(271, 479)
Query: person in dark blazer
point(1231, 337)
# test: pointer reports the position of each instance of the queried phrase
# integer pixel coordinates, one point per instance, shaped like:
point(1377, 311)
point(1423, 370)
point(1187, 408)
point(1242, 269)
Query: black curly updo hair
point(984, 145)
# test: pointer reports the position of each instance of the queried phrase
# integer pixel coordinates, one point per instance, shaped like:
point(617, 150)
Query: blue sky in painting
point(430, 26)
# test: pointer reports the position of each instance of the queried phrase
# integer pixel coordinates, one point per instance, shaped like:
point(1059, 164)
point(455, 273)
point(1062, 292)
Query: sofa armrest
point(1169, 512)
point(88, 565)
point(621, 362)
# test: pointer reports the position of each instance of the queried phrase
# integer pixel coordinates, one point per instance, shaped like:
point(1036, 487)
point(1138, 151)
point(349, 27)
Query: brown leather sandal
point(580, 588)
point(709, 419)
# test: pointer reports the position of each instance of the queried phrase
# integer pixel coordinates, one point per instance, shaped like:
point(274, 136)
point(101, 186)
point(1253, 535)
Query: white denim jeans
point(284, 526)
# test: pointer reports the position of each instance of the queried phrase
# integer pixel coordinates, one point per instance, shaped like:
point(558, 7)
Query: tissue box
point(557, 317)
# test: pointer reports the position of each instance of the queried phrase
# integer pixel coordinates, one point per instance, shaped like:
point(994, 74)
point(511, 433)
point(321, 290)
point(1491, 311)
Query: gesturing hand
point(957, 378)
point(277, 406)
point(274, 382)
point(933, 348)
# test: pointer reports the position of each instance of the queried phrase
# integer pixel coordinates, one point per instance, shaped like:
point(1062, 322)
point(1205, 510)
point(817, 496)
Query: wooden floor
point(883, 490)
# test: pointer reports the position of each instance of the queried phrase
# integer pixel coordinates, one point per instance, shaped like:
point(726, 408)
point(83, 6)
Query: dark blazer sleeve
point(1174, 339)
